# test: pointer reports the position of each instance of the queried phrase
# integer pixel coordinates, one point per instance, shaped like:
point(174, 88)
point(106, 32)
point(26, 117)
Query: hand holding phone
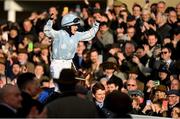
point(156, 82)
point(148, 102)
point(165, 105)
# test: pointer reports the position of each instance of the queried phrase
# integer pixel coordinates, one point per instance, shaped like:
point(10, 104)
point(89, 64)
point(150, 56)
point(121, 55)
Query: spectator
point(28, 29)
point(23, 59)
point(34, 18)
point(68, 104)
point(176, 43)
point(152, 43)
point(42, 57)
point(133, 26)
point(117, 71)
point(124, 15)
point(149, 89)
point(173, 100)
point(99, 93)
point(86, 58)
point(3, 76)
point(16, 71)
point(142, 60)
point(95, 64)
point(14, 36)
point(172, 19)
point(168, 63)
point(104, 82)
point(109, 68)
point(118, 6)
point(137, 9)
point(164, 77)
point(114, 84)
point(136, 106)
point(129, 49)
point(132, 84)
point(175, 84)
point(56, 17)
point(78, 58)
point(163, 29)
point(161, 7)
point(45, 58)
point(131, 33)
point(10, 98)
point(178, 10)
point(104, 36)
point(138, 101)
point(153, 109)
point(29, 89)
point(175, 113)
point(27, 43)
point(119, 104)
point(160, 93)
point(146, 18)
point(39, 72)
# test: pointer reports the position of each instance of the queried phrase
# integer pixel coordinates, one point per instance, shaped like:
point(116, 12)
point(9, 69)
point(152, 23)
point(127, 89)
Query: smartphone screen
point(30, 46)
point(156, 82)
point(148, 102)
point(165, 104)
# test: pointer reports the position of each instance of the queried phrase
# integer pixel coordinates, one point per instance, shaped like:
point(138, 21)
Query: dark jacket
point(171, 108)
point(69, 105)
point(77, 61)
point(6, 112)
point(27, 103)
point(151, 113)
point(163, 31)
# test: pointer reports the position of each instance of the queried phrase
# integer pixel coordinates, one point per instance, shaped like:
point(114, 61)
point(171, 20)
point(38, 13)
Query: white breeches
point(57, 66)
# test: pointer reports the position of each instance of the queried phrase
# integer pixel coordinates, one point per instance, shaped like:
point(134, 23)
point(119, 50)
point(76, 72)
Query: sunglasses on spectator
point(164, 52)
point(130, 85)
point(134, 95)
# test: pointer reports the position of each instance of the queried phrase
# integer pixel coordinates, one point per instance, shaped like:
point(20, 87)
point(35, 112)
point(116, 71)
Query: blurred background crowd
point(134, 54)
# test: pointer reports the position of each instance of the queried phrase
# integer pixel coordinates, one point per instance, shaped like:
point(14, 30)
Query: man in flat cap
point(173, 100)
point(23, 59)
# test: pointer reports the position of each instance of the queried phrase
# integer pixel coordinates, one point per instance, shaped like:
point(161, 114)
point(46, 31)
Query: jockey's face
point(74, 28)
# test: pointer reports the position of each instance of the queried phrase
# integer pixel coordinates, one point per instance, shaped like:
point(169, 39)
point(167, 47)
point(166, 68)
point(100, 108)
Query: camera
point(134, 54)
point(141, 23)
point(121, 17)
point(156, 82)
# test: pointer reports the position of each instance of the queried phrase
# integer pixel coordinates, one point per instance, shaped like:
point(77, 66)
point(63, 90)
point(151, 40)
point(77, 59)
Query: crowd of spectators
point(131, 66)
